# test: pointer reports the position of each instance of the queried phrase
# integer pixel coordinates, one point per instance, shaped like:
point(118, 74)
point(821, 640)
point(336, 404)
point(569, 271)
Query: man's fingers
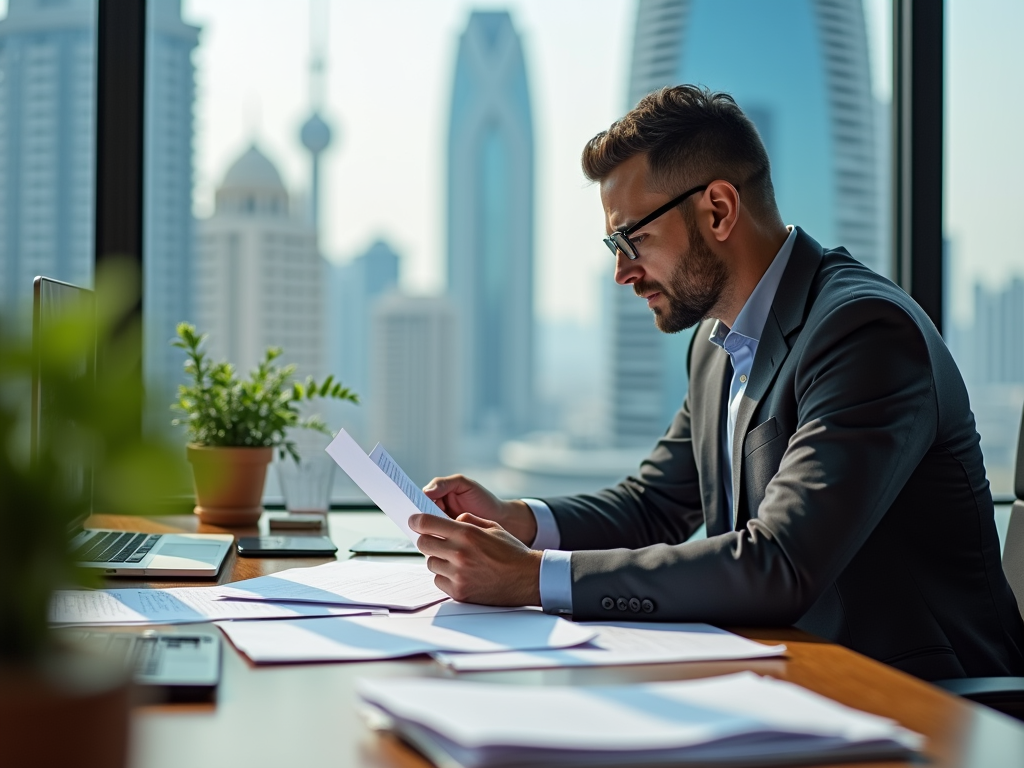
point(442, 486)
point(432, 525)
point(479, 522)
point(444, 584)
point(441, 567)
point(432, 545)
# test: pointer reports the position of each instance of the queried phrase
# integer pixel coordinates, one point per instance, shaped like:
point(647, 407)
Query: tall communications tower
point(316, 134)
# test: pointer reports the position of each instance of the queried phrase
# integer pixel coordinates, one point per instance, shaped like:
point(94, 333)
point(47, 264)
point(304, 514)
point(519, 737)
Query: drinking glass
point(306, 484)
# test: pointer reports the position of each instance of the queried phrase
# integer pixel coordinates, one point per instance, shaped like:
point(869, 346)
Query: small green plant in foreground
point(220, 409)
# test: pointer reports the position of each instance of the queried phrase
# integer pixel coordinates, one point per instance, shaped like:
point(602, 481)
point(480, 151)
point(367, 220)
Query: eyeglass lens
point(619, 242)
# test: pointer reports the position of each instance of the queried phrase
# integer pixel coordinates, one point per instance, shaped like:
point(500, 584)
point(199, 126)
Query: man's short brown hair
point(690, 135)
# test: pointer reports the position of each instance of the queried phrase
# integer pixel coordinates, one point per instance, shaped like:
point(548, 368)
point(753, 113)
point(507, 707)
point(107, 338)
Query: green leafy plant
point(91, 433)
point(220, 409)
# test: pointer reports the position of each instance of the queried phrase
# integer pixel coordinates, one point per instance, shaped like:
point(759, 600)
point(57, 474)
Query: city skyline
point(490, 191)
point(579, 90)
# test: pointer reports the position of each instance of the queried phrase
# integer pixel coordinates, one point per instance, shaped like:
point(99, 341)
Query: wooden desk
point(305, 714)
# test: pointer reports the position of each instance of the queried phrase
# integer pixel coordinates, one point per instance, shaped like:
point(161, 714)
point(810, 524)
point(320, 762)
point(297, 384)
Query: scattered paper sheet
point(182, 605)
point(365, 638)
point(730, 719)
point(403, 586)
point(380, 478)
point(452, 608)
point(626, 642)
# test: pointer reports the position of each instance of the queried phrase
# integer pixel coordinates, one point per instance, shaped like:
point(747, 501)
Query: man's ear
point(722, 204)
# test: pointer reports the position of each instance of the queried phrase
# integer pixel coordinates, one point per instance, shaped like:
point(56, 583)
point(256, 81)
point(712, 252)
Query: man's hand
point(477, 561)
point(457, 495)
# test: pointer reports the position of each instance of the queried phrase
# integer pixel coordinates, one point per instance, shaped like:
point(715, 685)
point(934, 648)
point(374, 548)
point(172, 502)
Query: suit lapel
point(708, 409)
point(786, 316)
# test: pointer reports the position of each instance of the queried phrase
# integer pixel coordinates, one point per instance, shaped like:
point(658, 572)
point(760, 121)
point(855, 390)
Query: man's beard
point(694, 288)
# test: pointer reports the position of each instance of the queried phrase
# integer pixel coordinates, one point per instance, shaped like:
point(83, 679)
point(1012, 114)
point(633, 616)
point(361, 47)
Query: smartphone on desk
point(285, 546)
point(384, 545)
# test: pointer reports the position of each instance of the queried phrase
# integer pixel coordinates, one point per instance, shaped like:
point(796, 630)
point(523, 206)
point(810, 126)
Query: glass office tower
point(169, 249)
point(354, 288)
point(490, 226)
point(47, 144)
point(800, 70)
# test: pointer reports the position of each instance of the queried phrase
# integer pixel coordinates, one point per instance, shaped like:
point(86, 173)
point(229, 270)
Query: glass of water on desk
point(306, 484)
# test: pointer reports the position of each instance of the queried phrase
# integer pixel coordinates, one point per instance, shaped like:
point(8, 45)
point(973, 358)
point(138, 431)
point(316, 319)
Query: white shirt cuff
point(556, 581)
point(547, 536)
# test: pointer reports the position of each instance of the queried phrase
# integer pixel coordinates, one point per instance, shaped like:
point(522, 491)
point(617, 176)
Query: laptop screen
point(52, 303)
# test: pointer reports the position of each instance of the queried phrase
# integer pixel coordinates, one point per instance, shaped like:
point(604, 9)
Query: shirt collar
point(752, 317)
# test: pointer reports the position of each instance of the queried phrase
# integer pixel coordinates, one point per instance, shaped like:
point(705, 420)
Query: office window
point(47, 144)
point(983, 259)
point(313, 169)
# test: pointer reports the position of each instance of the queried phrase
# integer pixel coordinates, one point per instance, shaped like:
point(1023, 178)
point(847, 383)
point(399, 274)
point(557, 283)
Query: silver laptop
point(116, 553)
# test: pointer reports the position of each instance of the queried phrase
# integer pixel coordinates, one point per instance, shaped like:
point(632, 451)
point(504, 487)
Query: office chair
point(1005, 694)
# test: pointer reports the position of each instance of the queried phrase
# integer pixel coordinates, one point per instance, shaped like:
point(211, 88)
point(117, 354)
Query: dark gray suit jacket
point(862, 510)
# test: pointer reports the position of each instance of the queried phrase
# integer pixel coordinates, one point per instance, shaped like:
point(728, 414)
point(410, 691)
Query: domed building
point(259, 273)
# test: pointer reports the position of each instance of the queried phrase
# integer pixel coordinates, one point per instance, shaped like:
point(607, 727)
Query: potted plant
point(92, 423)
point(235, 424)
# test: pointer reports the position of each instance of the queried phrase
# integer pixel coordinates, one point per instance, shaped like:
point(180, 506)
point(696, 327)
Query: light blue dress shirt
point(740, 343)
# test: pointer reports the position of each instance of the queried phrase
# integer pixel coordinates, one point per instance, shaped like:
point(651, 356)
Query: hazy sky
point(390, 68)
point(984, 164)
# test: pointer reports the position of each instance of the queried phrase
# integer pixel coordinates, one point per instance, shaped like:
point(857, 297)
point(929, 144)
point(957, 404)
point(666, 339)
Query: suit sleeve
point(866, 415)
point(660, 503)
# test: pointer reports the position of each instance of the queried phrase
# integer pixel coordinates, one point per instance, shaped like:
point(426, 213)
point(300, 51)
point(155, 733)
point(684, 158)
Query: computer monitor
point(113, 552)
point(52, 302)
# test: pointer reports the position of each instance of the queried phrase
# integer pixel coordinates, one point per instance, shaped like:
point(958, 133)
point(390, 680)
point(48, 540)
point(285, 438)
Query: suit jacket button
point(622, 604)
point(607, 603)
point(634, 604)
point(647, 606)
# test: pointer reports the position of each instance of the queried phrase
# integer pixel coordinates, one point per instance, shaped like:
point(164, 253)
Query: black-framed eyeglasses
point(619, 241)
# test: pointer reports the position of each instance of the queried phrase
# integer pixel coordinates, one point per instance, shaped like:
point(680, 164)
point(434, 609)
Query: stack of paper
point(183, 605)
point(403, 586)
point(365, 638)
point(737, 719)
point(625, 642)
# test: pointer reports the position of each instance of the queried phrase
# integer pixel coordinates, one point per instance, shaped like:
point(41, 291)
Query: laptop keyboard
point(117, 547)
point(181, 667)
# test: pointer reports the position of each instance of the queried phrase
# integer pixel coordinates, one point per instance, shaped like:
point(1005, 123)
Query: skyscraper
point(47, 144)
point(353, 290)
point(799, 69)
point(47, 158)
point(169, 231)
point(260, 275)
point(414, 409)
point(490, 225)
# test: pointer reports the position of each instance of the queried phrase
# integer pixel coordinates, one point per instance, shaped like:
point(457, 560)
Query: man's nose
point(627, 271)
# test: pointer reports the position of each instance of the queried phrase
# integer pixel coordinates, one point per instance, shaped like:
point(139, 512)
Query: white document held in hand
point(733, 719)
point(379, 477)
point(403, 586)
point(391, 638)
point(626, 642)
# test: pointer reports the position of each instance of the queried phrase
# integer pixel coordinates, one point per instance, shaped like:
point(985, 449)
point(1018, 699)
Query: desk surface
point(306, 714)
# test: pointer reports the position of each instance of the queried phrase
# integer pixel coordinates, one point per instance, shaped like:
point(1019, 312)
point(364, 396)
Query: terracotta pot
point(70, 711)
point(229, 483)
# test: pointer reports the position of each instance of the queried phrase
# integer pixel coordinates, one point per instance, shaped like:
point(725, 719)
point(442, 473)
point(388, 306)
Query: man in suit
point(826, 440)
